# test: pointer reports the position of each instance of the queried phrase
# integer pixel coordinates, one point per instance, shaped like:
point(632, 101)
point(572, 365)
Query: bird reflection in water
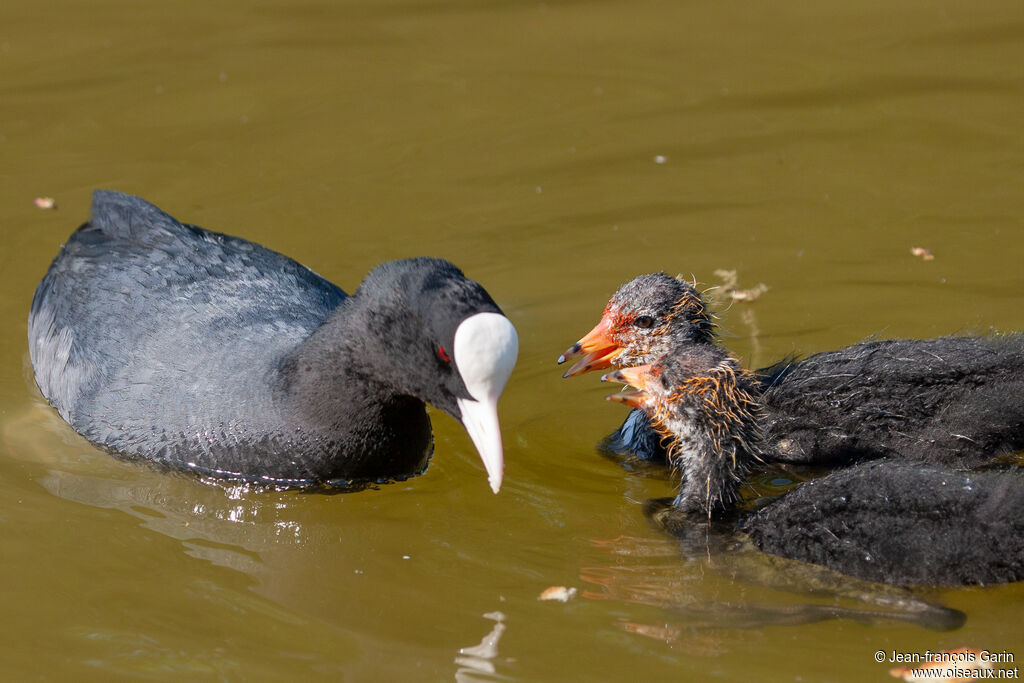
point(723, 582)
point(479, 659)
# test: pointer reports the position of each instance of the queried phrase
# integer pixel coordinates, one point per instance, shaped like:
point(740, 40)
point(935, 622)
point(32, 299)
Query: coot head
point(663, 387)
point(644, 320)
point(440, 337)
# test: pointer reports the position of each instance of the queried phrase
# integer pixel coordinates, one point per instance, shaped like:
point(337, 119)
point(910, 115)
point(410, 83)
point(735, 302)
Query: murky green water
point(553, 150)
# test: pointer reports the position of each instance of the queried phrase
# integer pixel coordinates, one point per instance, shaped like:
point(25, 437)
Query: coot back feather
point(901, 523)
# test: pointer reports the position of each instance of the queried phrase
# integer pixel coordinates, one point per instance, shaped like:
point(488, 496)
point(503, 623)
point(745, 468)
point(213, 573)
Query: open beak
point(638, 377)
point(596, 350)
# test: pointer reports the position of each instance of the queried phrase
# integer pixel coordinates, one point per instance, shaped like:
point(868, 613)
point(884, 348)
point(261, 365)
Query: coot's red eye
point(443, 354)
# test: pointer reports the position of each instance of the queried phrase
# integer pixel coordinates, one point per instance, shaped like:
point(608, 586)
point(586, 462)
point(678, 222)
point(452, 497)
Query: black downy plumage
point(892, 521)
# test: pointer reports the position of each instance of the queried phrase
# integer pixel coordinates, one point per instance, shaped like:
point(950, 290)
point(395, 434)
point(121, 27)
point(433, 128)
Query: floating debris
point(961, 664)
point(924, 254)
point(748, 295)
point(560, 593)
point(45, 202)
point(731, 289)
point(660, 159)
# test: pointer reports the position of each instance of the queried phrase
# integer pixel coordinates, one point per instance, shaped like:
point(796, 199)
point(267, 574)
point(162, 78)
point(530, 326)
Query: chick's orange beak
point(596, 350)
point(639, 377)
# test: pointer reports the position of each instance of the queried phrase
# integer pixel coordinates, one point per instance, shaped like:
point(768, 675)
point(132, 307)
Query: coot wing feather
point(138, 308)
point(956, 400)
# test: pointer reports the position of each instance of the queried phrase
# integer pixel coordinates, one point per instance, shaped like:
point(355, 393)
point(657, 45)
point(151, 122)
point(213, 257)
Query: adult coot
point(896, 522)
point(201, 351)
point(958, 401)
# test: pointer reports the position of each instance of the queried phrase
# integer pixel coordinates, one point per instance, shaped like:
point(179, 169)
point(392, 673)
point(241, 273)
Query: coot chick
point(706, 410)
point(889, 521)
point(953, 400)
point(205, 352)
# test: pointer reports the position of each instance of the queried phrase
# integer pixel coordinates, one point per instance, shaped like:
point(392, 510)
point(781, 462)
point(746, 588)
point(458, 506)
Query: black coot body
point(902, 523)
point(956, 401)
point(202, 351)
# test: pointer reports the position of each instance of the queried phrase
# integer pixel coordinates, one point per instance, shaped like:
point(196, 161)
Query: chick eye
point(644, 321)
point(443, 355)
